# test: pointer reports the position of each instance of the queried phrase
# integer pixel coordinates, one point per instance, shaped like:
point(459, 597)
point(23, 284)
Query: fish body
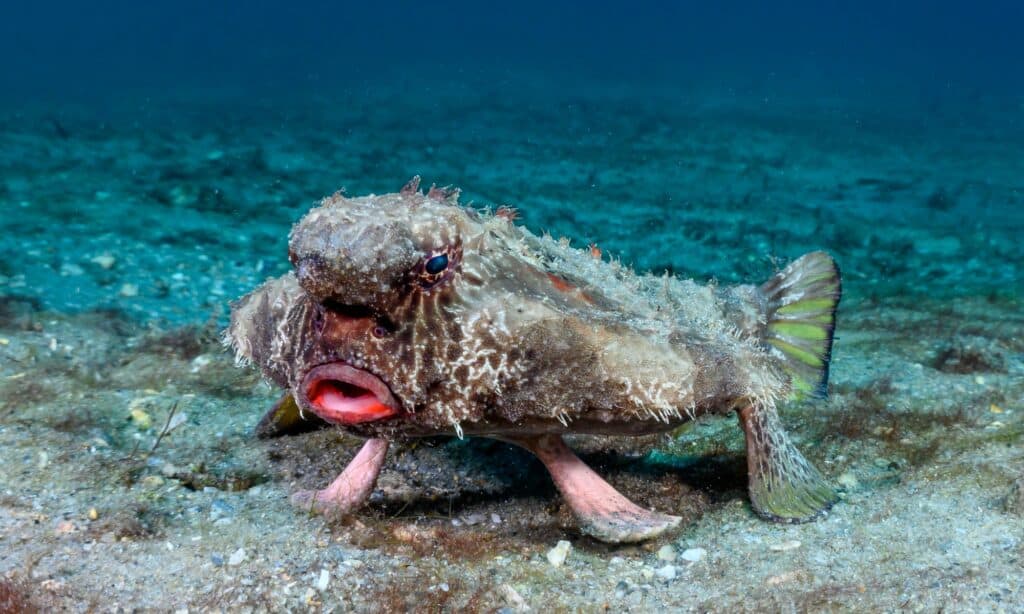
point(408, 315)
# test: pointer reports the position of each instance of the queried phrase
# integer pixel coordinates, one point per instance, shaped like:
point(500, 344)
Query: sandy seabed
point(127, 231)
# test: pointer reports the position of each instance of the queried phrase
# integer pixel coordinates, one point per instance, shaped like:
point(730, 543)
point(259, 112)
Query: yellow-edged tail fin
point(801, 305)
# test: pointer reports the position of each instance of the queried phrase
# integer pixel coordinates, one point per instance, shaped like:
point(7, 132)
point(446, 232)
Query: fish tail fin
point(801, 303)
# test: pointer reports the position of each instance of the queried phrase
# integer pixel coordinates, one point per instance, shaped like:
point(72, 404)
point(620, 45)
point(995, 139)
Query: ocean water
point(153, 157)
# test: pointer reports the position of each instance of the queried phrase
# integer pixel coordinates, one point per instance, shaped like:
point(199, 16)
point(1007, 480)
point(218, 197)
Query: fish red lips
point(342, 394)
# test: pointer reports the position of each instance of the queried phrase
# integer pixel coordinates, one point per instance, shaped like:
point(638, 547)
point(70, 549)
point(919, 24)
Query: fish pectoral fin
point(284, 418)
point(603, 512)
point(783, 485)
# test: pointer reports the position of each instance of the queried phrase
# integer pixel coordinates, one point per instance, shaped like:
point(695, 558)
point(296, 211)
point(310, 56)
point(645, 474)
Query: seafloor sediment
point(127, 231)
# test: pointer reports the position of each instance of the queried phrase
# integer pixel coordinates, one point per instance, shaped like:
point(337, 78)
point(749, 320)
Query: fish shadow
point(493, 472)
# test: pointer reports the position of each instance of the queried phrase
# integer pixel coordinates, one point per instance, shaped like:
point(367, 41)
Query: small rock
point(323, 581)
point(512, 596)
point(237, 557)
point(199, 362)
point(168, 470)
point(667, 553)
point(785, 546)
point(495, 519)
point(69, 269)
point(217, 560)
point(666, 573)
point(129, 290)
point(693, 554)
point(93, 514)
point(1014, 501)
point(647, 572)
point(848, 481)
point(141, 418)
point(558, 554)
point(152, 481)
point(106, 261)
point(65, 527)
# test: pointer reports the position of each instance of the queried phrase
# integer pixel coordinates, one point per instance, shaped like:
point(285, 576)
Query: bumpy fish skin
point(524, 333)
point(408, 315)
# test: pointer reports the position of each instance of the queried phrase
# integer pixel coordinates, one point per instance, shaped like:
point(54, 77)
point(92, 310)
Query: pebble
point(1014, 501)
point(848, 481)
point(71, 270)
point(106, 261)
point(141, 418)
point(666, 573)
point(129, 290)
point(237, 557)
point(558, 554)
point(152, 481)
point(512, 596)
point(784, 546)
point(693, 554)
point(93, 514)
point(217, 559)
point(623, 588)
point(323, 581)
point(667, 553)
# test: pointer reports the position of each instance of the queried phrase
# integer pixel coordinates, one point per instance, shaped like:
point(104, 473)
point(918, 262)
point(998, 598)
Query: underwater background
point(153, 157)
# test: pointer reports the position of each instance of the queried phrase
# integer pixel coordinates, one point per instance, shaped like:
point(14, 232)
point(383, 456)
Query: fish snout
point(318, 277)
point(339, 324)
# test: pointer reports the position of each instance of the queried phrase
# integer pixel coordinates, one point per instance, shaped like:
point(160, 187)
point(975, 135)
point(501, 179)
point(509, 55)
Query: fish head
point(380, 283)
point(373, 252)
point(408, 314)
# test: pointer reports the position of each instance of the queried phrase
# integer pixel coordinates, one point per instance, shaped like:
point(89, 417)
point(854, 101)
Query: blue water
point(184, 139)
point(945, 50)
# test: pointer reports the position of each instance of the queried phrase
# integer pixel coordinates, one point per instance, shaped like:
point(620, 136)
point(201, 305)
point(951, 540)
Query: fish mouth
point(339, 393)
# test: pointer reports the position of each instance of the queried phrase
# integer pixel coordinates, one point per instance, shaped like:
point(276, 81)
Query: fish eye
point(437, 264)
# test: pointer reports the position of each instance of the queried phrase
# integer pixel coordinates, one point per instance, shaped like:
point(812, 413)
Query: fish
point(409, 315)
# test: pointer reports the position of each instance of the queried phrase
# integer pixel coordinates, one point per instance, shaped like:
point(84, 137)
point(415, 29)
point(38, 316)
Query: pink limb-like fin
point(603, 512)
point(349, 490)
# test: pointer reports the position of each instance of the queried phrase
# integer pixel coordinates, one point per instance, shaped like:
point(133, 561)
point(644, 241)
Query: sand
point(127, 231)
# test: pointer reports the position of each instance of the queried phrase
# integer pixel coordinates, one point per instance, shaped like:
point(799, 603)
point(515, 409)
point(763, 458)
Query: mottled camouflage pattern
point(524, 334)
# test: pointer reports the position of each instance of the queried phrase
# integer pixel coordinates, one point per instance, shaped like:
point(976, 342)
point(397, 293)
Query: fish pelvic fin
point(801, 303)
